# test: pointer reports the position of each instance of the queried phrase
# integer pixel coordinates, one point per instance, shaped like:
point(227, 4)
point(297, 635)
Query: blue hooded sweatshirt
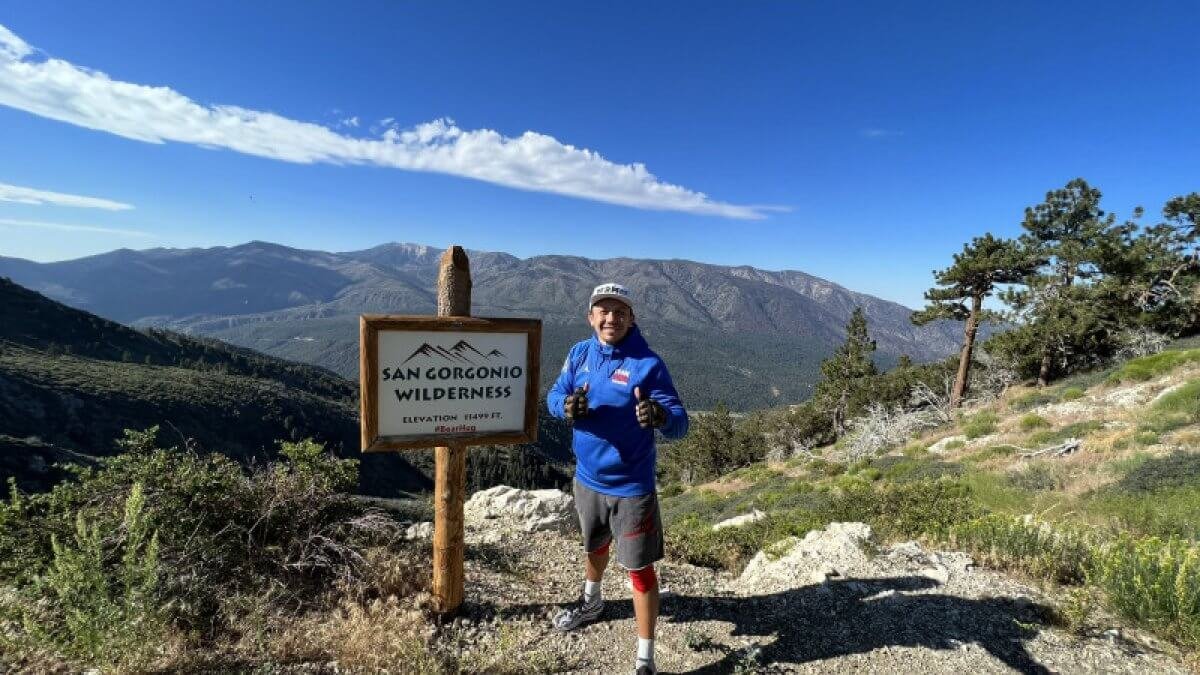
point(614, 455)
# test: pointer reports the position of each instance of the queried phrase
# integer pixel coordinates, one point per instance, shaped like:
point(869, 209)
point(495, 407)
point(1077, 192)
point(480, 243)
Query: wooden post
point(450, 463)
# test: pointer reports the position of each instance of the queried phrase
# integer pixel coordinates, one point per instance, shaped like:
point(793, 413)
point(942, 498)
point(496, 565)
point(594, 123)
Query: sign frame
point(369, 327)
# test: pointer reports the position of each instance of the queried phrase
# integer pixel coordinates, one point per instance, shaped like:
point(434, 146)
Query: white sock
point(645, 650)
point(591, 590)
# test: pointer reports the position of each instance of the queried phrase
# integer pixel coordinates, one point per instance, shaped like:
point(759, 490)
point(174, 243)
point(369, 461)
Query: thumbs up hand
point(576, 405)
point(650, 415)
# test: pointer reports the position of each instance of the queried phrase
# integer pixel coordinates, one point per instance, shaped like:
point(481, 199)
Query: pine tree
point(1163, 269)
point(1066, 236)
point(845, 382)
point(983, 264)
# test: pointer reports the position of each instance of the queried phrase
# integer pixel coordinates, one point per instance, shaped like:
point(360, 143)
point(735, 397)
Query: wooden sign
point(448, 381)
point(434, 381)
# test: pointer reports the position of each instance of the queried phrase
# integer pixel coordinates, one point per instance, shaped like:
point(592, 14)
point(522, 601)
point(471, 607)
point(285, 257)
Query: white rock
point(738, 521)
point(940, 447)
point(419, 531)
point(839, 549)
point(527, 510)
point(937, 573)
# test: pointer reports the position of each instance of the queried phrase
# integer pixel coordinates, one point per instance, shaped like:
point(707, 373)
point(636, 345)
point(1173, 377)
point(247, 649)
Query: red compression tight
point(643, 579)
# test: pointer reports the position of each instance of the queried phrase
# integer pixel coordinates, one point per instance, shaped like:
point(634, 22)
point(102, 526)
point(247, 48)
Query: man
point(616, 392)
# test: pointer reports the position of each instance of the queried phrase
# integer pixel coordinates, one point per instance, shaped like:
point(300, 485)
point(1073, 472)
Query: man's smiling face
point(611, 320)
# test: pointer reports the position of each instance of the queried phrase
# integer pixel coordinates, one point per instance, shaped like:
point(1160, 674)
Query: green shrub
point(1071, 394)
point(1038, 476)
point(754, 473)
point(1150, 580)
point(904, 509)
point(693, 540)
point(825, 468)
point(1032, 400)
point(1146, 438)
point(1153, 581)
point(1178, 469)
point(1032, 421)
point(1061, 554)
point(925, 507)
point(1085, 379)
point(1076, 430)
point(871, 473)
point(671, 490)
point(1176, 409)
point(1164, 512)
point(992, 452)
point(1076, 609)
point(196, 537)
point(101, 595)
point(716, 444)
point(1155, 365)
point(980, 424)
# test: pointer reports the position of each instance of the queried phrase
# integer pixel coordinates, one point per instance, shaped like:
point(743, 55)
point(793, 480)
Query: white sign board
point(447, 382)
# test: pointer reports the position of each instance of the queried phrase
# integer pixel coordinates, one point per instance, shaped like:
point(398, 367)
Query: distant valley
point(748, 337)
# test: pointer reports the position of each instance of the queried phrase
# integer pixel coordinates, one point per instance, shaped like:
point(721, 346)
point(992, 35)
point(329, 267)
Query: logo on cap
point(614, 291)
point(611, 289)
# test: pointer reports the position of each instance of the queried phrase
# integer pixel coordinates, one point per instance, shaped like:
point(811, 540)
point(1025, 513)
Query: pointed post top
point(454, 283)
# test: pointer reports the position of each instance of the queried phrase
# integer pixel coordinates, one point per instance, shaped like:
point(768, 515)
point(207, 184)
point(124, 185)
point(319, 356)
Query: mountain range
point(746, 336)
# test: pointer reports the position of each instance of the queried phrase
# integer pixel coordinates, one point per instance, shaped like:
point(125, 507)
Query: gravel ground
point(894, 610)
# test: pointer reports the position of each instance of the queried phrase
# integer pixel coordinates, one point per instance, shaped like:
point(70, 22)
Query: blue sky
point(861, 142)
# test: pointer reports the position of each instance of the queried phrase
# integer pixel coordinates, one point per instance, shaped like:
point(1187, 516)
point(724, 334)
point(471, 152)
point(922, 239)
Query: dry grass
point(384, 635)
point(723, 486)
point(1185, 438)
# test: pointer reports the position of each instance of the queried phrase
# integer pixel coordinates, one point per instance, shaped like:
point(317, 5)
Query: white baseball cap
point(614, 291)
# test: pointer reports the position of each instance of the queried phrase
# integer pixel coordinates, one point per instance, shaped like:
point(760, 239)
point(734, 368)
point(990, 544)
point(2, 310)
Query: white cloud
point(41, 225)
point(62, 91)
point(24, 195)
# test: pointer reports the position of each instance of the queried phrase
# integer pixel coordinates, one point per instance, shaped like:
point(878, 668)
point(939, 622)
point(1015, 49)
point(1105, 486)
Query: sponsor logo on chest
point(621, 376)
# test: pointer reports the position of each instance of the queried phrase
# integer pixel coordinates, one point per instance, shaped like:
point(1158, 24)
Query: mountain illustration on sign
point(462, 351)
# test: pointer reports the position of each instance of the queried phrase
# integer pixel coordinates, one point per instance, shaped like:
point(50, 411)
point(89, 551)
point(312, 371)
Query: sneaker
point(578, 614)
point(646, 669)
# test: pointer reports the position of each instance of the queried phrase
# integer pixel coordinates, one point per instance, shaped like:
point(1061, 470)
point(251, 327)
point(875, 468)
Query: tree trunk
point(964, 359)
point(839, 415)
point(1044, 371)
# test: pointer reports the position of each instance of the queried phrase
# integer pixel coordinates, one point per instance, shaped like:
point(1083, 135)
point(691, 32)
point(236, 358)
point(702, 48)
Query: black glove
point(650, 415)
point(576, 405)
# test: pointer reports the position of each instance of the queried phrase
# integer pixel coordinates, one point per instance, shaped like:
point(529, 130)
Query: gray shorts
point(634, 524)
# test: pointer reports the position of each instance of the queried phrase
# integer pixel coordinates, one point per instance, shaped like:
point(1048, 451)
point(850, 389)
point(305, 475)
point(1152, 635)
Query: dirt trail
point(832, 603)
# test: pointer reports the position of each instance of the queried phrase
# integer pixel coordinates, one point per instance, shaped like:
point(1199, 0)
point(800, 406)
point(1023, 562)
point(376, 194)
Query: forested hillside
point(72, 382)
